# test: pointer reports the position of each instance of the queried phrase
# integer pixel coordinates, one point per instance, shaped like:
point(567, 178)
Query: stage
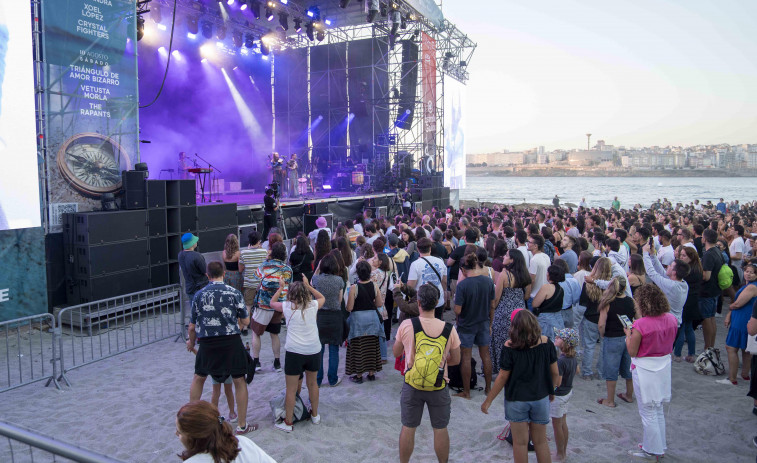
point(253, 200)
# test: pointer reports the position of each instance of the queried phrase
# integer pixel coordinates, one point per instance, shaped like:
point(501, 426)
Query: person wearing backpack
point(430, 346)
point(712, 261)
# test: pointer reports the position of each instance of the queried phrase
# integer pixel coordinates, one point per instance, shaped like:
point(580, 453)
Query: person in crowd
point(528, 373)
point(217, 318)
point(322, 247)
point(192, 265)
point(348, 254)
point(637, 274)
point(429, 269)
point(328, 281)
point(363, 349)
point(208, 438)
point(322, 225)
point(301, 259)
point(231, 260)
point(736, 323)
point(400, 257)
point(571, 294)
point(510, 293)
point(455, 258)
point(359, 224)
point(712, 260)
point(521, 242)
point(617, 361)
point(752, 330)
point(649, 343)
point(438, 249)
point(423, 340)
point(538, 265)
point(736, 248)
point(669, 280)
point(381, 275)
point(571, 251)
point(265, 318)
point(688, 254)
point(498, 255)
point(566, 340)
point(270, 209)
point(473, 301)
point(250, 259)
point(352, 234)
point(548, 302)
point(303, 345)
point(582, 269)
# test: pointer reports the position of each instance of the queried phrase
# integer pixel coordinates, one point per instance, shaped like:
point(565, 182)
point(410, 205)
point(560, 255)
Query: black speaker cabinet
point(112, 285)
point(156, 193)
point(244, 233)
point(159, 250)
point(188, 219)
point(310, 225)
point(135, 189)
point(213, 216)
point(159, 276)
point(93, 261)
point(187, 195)
point(316, 208)
point(102, 227)
point(244, 216)
point(214, 240)
point(157, 222)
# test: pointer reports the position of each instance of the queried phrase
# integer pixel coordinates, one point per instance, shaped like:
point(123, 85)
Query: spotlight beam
point(251, 125)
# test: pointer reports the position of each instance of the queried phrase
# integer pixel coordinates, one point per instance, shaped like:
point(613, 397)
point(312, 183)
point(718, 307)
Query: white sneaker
point(282, 426)
point(725, 381)
point(718, 315)
point(316, 419)
point(338, 381)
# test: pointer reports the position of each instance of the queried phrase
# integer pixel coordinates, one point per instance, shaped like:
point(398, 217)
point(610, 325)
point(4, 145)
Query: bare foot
point(558, 457)
point(606, 403)
point(463, 395)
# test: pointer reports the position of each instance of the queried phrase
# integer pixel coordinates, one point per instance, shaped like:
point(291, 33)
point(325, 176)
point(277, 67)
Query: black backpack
point(456, 378)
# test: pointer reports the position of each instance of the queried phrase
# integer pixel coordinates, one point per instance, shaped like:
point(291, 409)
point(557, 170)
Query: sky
point(632, 73)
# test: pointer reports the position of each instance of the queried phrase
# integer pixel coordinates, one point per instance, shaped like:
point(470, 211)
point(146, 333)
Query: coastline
point(491, 171)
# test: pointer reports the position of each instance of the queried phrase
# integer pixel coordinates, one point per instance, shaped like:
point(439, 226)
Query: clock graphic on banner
point(92, 163)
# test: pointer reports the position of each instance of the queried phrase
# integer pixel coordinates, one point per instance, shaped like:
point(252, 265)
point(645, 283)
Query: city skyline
point(639, 74)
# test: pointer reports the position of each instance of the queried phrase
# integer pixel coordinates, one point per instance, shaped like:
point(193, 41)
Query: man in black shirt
point(454, 259)
point(270, 208)
point(712, 260)
point(437, 248)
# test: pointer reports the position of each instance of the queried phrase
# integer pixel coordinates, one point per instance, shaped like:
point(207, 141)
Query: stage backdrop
point(454, 133)
point(90, 100)
point(22, 246)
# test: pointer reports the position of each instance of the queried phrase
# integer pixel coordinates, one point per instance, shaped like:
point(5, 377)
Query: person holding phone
point(616, 360)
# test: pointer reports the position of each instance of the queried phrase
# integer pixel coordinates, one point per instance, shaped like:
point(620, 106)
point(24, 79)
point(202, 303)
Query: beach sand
point(125, 407)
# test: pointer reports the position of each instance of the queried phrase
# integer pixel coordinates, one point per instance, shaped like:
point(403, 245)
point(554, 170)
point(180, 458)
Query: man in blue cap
point(192, 265)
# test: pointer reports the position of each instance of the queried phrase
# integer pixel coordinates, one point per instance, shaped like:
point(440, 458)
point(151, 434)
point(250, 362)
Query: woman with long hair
point(548, 302)
point(616, 360)
point(348, 255)
point(589, 327)
point(381, 276)
point(303, 345)
point(363, 350)
point(583, 268)
point(329, 281)
point(207, 437)
point(322, 246)
point(691, 306)
point(512, 286)
point(736, 322)
point(408, 237)
point(301, 259)
point(649, 343)
point(528, 367)
point(498, 255)
point(637, 274)
point(234, 275)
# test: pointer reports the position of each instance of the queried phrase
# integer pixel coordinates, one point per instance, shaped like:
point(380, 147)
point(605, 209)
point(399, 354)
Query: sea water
point(600, 191)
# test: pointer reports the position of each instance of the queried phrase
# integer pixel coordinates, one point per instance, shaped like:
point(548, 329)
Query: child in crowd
point(228, 392)
point(567, 365)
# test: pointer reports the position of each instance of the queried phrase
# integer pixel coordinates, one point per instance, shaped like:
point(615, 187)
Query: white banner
point(454, 133)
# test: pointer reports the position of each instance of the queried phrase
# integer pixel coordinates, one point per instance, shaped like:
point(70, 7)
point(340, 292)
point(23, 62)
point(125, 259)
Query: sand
point(125, 407)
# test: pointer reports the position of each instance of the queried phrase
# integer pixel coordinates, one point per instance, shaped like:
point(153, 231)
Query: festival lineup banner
point(454, 133)
point(91, 100)
point(428, 80)
point(22, 240)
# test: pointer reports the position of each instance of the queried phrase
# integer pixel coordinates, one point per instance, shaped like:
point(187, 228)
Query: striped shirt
point(251, 258)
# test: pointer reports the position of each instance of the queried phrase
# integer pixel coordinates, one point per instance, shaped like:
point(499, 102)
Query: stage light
point(407, 112)
point(249, 41)
point(255, 8)
point(236, 37)
point(207, 51)
point(326, 186)
point(320, 35)
point(162, 27)
point(176, 53)
point(373, 9)
point(328, 22)
point(245, 51)
point(219, 44)
point(269, 14)
point(221, 33)
point(192, 23)
point(264, 49)
point(265, 57)
point(235, 68)
point(191, 36)
point(311, 14)
point(243, 7)
point(344, 3)
point(309, 31)
point(284, 21)
point(140, 27)
point(230, 2)
point(395, 18)
point(204, 60)
point(405, 19)
point(162, 50)
point(207, 29)
point(284, 1)
point(297, 25)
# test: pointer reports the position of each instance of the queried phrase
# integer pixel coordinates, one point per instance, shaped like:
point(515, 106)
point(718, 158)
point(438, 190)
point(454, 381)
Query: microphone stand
point(212, 181)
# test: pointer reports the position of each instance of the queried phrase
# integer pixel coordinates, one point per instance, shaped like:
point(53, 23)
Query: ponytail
point(616, 288)
point(469, 262)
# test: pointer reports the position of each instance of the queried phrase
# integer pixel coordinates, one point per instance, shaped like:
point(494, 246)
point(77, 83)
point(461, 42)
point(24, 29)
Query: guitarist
point(277, 168)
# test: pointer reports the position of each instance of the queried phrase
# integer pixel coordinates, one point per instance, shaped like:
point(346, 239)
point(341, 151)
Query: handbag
point(751, 344)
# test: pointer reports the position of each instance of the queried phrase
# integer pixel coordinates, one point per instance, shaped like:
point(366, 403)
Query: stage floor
point(254, 200)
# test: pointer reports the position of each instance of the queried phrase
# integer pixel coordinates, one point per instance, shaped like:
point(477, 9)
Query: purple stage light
point(245, 51)
point(284, 1)
point(191, 36)
point(328, 22)
point(162, 50)
point(176, 53)
point(204, 60)
point(244, 7)
point(265, 57)
point(310, 14)
point(326, 187)
point(235, 68)
point(162, 27)
point(230, 2)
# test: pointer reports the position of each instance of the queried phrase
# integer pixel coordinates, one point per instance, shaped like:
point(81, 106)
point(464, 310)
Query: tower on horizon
point(588, 142)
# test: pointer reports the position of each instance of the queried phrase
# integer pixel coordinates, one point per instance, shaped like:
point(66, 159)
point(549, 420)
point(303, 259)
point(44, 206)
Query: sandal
point(602, 402)
point(247, 429)
point(690, 358)
point(371, 377)
point(356, 379)
point(625, 398)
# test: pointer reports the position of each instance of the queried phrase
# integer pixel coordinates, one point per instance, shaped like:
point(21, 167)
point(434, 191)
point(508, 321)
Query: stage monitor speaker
point(157, 224)
point(112, 285)
point(135, 189)
point(187, 193)
point(158, 250)
point(244, 216)
point(316, 208)
point(188, 219)
point(156, 193)
point(309, 222)
point(214, 240)
point(408, 85)
point(216, 216)
point(93, 261)
point(102, 227)
point(244, 232)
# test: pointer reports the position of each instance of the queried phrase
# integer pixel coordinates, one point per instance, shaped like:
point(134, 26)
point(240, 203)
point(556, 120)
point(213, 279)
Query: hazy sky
point(633, 73)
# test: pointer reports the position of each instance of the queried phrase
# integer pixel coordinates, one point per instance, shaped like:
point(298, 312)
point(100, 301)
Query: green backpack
point(725, 276)
point(428, 365)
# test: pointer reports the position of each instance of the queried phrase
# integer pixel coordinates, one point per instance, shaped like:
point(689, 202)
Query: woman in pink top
point(650, 343)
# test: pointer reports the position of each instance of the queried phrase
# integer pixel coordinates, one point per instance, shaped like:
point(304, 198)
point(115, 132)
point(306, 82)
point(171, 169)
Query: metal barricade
point(29, 346)
point(101, 329)
point(24, 445)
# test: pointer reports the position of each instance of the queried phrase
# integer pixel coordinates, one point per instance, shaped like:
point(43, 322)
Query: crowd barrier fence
point(30, 351)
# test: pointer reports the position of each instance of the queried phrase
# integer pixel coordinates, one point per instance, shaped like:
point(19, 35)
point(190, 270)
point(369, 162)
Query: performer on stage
point(184, 164)
point(293, 173)
point(277, 168)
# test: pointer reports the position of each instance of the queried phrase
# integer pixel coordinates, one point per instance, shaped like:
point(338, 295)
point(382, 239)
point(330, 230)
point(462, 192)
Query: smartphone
point(627, 323)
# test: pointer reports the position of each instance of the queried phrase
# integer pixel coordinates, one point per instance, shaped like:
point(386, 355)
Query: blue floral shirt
point(215, 310)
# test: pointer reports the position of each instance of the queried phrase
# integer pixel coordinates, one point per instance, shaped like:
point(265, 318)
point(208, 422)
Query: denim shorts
point(528, 412)
point(548, 322)
point(708, 306)
point(475, 335)
point(615, 359)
